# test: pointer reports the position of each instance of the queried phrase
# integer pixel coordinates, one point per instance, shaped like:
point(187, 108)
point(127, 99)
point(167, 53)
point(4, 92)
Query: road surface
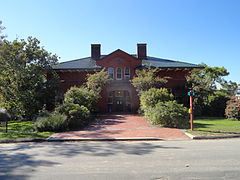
point(160, 160)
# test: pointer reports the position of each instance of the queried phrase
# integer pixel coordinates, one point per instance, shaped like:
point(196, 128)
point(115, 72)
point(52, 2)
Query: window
point(127, 73)
point(119, 73)
point(110, 73)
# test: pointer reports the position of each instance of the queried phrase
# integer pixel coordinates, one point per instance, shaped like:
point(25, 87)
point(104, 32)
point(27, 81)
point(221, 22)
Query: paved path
point(122, 126)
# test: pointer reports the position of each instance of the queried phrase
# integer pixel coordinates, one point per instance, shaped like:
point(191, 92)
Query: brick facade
point(119, 94)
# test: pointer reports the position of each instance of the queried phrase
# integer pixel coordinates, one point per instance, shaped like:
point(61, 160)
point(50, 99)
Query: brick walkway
point(121, 126)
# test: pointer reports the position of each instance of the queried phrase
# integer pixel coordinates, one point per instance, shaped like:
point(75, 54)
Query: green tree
point(23, 83)
point(211, 88)
point(1, 35)
point(147, 79)
point(96, 81)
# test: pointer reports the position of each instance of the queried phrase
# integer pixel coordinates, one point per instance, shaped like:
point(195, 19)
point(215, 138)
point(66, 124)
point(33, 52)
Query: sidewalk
point(121, 127)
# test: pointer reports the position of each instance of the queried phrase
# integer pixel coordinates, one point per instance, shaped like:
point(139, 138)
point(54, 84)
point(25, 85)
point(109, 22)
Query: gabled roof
point(78, 64)
point(165, 63)
point(90, 64)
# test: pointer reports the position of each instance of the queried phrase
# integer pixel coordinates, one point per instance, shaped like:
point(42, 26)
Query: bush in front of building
point(75, 112)
point(168, 114)
point(232, 110)
point(81, 96)
point(77, 115)
point(153, 96)
point(54, 122)
point(159, 108)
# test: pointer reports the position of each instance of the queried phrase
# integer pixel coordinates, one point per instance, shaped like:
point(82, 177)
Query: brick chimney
point(141, 51)
point(95, 51)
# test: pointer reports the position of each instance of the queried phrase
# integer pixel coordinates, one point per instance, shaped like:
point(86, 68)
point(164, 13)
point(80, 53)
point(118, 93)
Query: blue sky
point(193, 31)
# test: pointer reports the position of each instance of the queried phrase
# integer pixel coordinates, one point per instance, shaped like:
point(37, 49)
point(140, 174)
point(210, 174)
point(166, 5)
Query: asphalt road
point(161, 160)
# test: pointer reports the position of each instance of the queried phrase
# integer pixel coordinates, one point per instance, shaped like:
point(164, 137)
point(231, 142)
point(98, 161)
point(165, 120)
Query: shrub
point(77, 115)
point(81, 96)
point(153, 96)
point(168, 114)
point(42, 113)
point(55, 122)
point(216, 107)
point(232, 110)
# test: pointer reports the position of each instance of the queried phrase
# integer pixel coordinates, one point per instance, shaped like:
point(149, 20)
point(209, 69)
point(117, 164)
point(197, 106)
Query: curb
point(212, 137)
point(82, 139)
point(21, 141)
point(104, 139)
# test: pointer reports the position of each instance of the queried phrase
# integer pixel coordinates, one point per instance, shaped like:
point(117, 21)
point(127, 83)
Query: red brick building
point(119, 95)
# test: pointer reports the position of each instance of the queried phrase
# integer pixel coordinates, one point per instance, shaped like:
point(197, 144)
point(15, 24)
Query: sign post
point(191, 94)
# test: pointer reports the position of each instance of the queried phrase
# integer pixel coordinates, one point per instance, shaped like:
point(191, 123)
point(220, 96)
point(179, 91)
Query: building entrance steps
point(121, 127)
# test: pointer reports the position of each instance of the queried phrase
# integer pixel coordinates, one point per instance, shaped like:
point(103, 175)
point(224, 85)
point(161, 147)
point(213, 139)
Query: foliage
point(78, 104)
point(206, 83)
point(168, 114)
point(233, 108)
point(96, 81)
point(146, 79)
point(153, 96)
point(77, 115)
point(217, 104)
point(23, 69)
point(55, 122)
point(160, 109)
point(1, 35)
point(43, 113)
point(81, 96)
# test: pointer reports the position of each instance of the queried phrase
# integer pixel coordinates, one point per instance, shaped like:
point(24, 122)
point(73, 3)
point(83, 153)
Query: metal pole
point(191, 112)
point(6, 126)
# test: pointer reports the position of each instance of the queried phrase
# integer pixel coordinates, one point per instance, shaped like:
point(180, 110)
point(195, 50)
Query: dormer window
point(119, 73)
point(111, 73)
point(127, 73)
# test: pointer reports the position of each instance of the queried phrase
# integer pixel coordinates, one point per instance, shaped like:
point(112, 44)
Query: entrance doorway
point(119, 101)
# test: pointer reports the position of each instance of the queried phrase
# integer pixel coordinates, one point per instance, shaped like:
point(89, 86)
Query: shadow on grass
point(201, 125)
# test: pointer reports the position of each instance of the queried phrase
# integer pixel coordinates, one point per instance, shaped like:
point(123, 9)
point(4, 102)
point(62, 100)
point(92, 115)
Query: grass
point(215, 126)
point(21, 130)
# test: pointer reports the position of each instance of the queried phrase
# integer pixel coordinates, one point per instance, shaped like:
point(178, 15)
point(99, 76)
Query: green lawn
point(21, 130)
point(215, 126)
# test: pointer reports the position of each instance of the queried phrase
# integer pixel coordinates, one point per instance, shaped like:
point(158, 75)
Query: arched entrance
point(119, 101)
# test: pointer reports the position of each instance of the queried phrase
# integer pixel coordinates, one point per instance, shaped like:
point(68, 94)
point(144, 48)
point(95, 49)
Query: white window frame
point(117, 73)
point(127, 77)
point(111, 71)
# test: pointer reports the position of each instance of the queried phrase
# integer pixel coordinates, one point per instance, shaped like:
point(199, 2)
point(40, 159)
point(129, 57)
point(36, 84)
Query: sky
point(194, 31)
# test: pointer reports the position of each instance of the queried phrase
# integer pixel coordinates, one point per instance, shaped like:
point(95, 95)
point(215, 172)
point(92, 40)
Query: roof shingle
point(89, 64)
